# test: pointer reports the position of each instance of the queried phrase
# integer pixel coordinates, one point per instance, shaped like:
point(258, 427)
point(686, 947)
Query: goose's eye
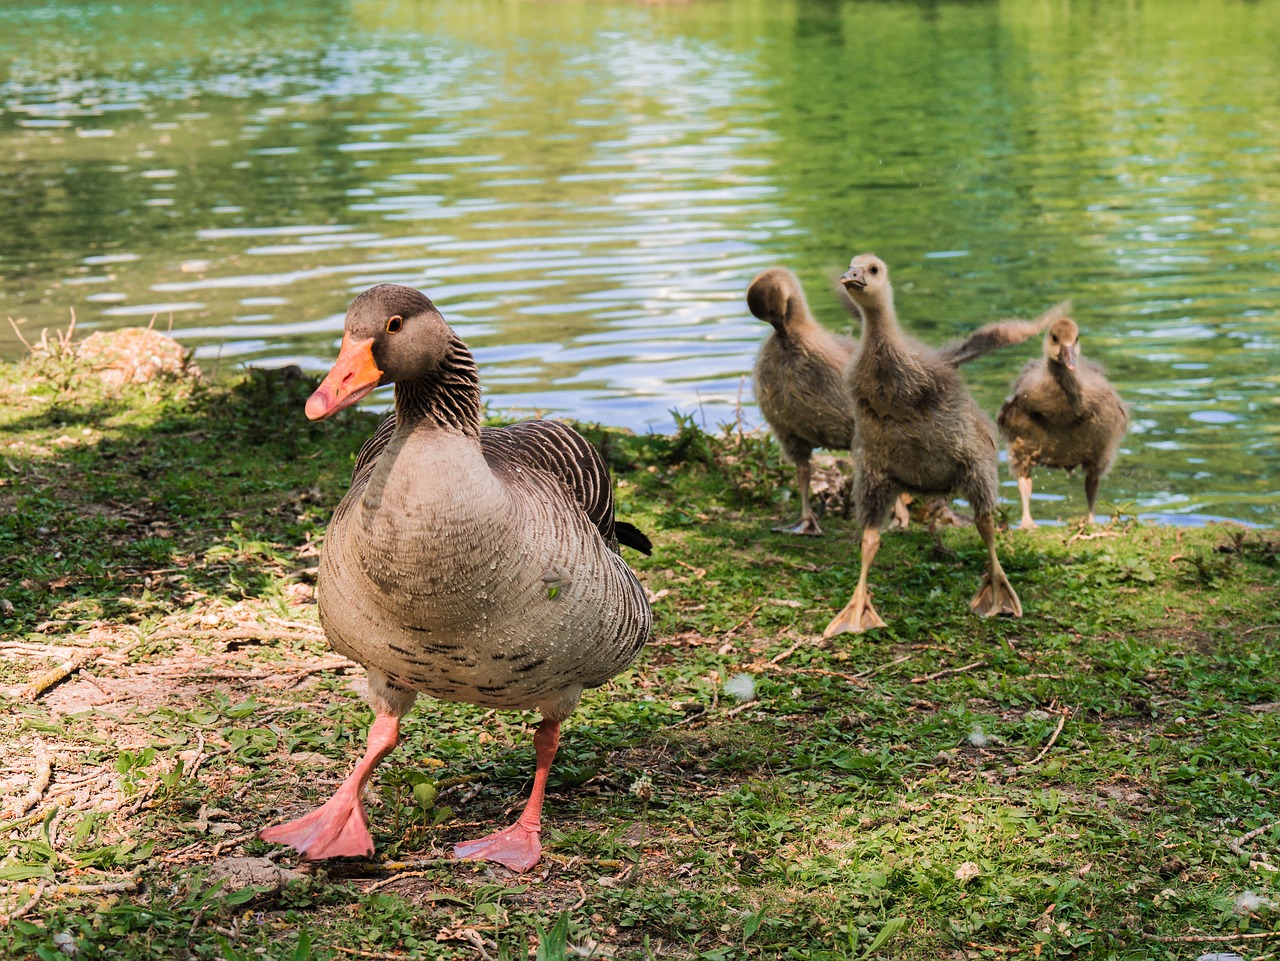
point(874, 269)
point(1054, 338)
point(394, 324)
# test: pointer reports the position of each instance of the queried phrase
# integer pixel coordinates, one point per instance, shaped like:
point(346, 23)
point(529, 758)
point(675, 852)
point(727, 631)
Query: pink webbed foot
point(337, 829)
point(517, 847)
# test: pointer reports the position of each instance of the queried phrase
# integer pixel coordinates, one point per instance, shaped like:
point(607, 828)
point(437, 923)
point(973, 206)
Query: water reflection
point(586, 189)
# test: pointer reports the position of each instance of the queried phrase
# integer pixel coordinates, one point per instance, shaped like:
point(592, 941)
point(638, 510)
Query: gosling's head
point(1062, 343)
point(867, 280)
point(775, 296)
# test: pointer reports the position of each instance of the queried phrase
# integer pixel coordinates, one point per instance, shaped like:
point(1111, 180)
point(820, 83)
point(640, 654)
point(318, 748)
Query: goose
point(1062, 412)
point(919, 430)
point(798, 378)
point(471, 564)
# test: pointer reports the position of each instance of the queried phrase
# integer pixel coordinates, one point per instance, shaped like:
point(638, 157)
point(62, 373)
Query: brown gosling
point(799, 378)
point(919, 430)
point(798, 381)
point(1062, 412)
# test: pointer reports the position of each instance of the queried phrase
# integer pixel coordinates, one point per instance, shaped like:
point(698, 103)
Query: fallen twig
point(1236, 845)
point(788, 652)
point(231, 634)
point(40, 782)
point(947, 672)
point(60, 673)
point(40, 890)
point(733, 630)
point(1202, 938)
point(25, 907)
point(1052, 739)
point(872, 670)
point(1082, 536)
point(392, 880)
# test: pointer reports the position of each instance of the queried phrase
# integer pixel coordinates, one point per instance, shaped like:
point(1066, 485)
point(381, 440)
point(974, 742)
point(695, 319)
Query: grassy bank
point(1096, 780)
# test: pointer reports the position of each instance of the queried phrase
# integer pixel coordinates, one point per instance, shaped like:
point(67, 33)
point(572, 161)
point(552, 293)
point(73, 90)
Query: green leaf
point(891, 927)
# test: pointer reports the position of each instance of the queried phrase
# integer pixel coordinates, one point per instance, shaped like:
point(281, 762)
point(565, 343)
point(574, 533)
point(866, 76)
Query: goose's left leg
point(519, 847)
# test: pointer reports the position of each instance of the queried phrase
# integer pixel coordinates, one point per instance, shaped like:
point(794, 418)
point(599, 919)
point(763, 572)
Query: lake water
point(586, 189)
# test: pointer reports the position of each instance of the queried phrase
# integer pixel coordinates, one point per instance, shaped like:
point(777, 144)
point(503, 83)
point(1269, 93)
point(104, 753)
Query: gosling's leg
point(996, 596)
point(858, 615)
point(1091, 481)
point(808, 523)
point(1024, 490)
point(901, 515)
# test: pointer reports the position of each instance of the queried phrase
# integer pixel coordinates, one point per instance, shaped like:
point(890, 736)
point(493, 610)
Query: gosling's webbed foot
point(1028, 524)
point(901, 519)
point(996, 596)
point(858, 616)
point(806, 526)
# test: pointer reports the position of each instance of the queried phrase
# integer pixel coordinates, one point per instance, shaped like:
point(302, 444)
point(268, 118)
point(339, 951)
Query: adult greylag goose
point(1062, 412)
point(918, 430)
point(798, 378)
point(472, 564)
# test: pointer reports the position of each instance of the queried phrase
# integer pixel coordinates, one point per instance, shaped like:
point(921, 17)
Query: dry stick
point(14, 325)
point(1201, 938)
point(20, 911)
point(1056, 731)
point(40, 783)
point(60, 673)
point(1236, 845)
point(731, 631)
point(872, 670)
point(392, 880)
point(947, 672)
point(37, 891)
point(788, 652)
point(233, 634)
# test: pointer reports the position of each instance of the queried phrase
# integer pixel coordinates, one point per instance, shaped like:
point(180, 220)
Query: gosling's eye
point(394, 323)
point(875, 269)
point(1054, 338)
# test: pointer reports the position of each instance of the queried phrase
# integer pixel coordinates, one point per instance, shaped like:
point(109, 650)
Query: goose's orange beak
point(354, 375)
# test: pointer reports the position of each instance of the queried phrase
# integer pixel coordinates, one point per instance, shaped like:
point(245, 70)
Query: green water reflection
point(587, 188)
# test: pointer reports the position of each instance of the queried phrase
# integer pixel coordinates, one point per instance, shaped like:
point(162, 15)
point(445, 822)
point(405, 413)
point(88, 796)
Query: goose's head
point(867, 280)
point(391, 333)
point(1062, 343)
point(775, 296)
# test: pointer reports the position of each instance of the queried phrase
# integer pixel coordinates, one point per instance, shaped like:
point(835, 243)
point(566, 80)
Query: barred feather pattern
point(479, 566)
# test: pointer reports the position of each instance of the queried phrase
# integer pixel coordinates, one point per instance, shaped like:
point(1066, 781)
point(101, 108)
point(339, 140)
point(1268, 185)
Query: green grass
point(1064, 785)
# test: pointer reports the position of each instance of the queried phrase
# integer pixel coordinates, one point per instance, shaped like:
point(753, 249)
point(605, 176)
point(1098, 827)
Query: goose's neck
point(448, 399)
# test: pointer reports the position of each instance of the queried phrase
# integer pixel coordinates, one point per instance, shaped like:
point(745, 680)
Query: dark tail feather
point(1003, 333)
point(631, 536)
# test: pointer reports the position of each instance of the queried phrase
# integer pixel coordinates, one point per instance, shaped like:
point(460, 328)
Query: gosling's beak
point(854, 279)
point(354, 375)
point(1068, 354)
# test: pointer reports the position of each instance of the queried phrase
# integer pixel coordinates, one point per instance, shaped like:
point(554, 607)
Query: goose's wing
point(559, 450)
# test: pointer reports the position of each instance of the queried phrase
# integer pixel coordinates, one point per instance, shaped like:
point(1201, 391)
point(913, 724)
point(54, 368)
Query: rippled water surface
point(586, 189)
